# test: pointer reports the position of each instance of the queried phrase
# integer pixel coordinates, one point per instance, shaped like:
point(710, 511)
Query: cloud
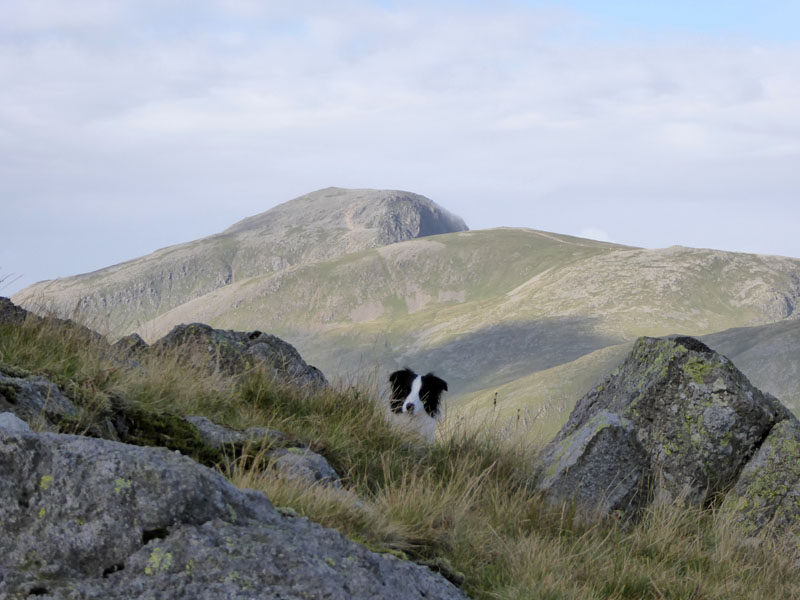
point(198, 114)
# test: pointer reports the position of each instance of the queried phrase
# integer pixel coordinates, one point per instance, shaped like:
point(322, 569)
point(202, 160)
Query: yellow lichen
point(158, 562)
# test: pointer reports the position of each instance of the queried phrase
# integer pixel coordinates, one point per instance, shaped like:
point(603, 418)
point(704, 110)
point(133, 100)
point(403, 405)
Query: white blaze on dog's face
point(412, 404)
point(416, 400)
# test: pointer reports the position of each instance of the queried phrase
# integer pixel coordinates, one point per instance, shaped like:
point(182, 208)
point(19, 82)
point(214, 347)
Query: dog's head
point(412, 393)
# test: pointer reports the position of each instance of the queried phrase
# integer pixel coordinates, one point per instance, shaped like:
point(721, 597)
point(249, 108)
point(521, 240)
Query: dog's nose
point(410, 408)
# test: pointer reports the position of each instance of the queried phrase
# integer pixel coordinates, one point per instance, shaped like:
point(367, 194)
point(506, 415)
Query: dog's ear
point(431, 393)
point(401, 387)
point(433, 382)
point(401, 382)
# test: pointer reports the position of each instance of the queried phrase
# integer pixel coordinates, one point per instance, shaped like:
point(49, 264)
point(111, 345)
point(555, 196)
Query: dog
point(415, 403)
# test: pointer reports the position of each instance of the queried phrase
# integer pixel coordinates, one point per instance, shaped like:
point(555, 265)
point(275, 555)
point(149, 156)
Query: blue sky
point(128, 126)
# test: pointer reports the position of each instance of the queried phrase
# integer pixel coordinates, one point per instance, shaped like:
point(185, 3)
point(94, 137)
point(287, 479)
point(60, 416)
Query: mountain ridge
point(319, 225)
point(491, 310)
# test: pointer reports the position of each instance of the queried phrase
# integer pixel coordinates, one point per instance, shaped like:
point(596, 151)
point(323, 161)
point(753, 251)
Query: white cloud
point(202, 113)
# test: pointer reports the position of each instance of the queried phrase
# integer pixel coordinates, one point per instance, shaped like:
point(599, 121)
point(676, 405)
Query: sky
point(130, 125)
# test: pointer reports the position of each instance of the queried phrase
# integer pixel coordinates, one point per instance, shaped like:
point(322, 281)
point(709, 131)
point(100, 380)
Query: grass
point(462, 505)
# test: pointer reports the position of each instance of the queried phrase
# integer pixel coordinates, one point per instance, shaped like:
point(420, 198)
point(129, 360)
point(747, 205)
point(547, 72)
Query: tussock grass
point(463, 505)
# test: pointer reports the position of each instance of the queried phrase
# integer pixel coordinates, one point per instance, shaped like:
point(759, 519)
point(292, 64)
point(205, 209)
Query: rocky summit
point(676, 422)
point(318, 226)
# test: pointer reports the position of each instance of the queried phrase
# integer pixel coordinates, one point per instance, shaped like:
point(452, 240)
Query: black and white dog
point(416, 400)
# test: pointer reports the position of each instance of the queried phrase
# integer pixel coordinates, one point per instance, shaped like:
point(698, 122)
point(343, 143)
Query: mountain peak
point(318, 226)
point(389, 215)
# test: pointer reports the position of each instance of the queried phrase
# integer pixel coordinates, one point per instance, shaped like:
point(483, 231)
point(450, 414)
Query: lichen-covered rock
point(72, 505)
point(88, 518)
point(697, 417)
point(234, 352)
point(768, 490)
point(33, 399)
point(304, 465)
point(601, 467)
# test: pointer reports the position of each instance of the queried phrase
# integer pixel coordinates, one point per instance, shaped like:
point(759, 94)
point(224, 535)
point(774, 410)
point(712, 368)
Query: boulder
point(89, 518)
point(33, 399)
point(234, 352)
point(768, 490)
point(10, 313)
point(219, 437)
point(696, 417)
point(304, 465)
point(130, 344)
point(601, 468)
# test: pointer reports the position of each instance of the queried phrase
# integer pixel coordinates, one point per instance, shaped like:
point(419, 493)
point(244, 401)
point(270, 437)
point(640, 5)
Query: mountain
point(500, 310)
point(318, 226)
point(528, 317)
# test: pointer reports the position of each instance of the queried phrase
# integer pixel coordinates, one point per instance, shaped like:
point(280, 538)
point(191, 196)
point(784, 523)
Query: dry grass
point(463, 503)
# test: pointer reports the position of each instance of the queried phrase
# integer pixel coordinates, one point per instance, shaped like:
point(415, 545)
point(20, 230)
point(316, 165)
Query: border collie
point(415, 401)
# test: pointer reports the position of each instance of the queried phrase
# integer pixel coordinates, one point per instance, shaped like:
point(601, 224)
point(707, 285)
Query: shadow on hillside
point(500, 353)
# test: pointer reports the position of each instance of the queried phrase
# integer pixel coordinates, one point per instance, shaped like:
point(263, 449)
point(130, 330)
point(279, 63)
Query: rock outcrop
point(602, 467)
point(768, 490)
point(675, 421)
point(233, 352)
point(33, 398)
point(219, 437)
point(88, 518)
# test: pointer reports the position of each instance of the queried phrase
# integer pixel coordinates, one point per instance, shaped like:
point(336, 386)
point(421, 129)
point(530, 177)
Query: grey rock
point(298, 560)
point(78, 506)
point(130, 344)
point(215, 435)
point(10, 422)
point(234, 352)
point(88, 518)
point(218, 436)
point(304, 465)
point(34, 399)
point(10, 313)
point(768, 490)
point(697, 417)
point(601, 467)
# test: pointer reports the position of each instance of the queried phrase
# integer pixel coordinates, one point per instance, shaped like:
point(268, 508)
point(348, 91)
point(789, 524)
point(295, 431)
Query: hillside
point(768, 354)
point(531, 316)
point(318, 226)
point(197, 468)
point(486, 308)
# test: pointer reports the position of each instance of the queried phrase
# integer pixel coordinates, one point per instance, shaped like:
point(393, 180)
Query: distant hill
point(318, 226)
point(364, 281)
point(769, 355)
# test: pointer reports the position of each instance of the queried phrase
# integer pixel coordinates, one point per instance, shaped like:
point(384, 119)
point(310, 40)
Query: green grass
point(462, 505)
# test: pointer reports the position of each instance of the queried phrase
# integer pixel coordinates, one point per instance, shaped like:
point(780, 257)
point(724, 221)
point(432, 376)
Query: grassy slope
point(495, 308)
point(461, 504)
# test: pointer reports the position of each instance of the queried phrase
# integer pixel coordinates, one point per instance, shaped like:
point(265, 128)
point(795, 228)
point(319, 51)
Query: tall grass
point(462, 505)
